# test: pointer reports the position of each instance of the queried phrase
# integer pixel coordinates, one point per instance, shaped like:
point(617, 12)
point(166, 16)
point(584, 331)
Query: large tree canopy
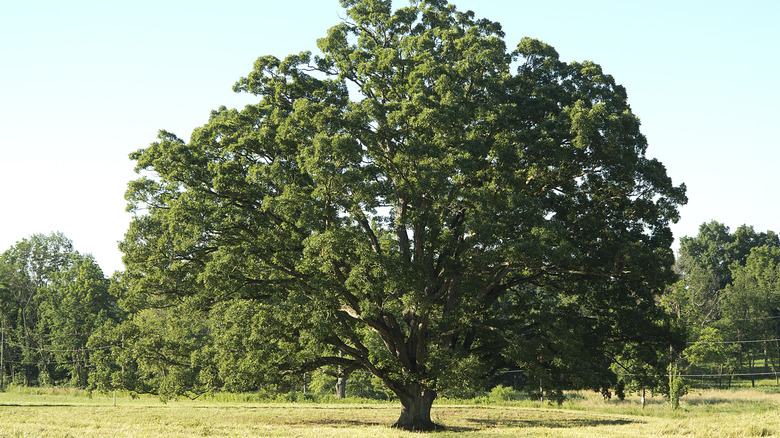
point(415, 201)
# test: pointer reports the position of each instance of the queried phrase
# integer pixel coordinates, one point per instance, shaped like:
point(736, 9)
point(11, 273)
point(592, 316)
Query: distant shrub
point(503, 393)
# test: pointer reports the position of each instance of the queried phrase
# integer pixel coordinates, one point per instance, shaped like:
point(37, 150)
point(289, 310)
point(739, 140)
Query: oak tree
point(416, 201)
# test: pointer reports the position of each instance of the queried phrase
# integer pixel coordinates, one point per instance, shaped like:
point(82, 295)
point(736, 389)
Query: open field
point(70, 413)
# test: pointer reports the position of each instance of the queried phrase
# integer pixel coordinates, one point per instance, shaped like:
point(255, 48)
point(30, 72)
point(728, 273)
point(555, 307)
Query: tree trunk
point(341, 387)
point(751, 362)
point(416, 411)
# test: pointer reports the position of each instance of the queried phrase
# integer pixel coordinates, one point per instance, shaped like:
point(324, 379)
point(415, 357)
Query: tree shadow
point(35, 405)
point(304, 406)
point(554, 423)
point(547, 423)
point(339, 422)
point(481, 424)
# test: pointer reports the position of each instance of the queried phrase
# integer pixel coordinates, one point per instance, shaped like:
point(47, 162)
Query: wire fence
point(734, 342)
point(59, 350)
point(45, 363)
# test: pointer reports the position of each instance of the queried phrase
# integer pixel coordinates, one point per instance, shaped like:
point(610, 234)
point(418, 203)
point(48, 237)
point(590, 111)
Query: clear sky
point(85, 82)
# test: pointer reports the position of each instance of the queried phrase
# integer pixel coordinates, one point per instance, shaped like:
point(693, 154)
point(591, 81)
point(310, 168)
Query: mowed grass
point(71, 413)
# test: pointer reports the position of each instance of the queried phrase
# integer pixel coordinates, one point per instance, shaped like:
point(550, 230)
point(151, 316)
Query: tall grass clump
point(503, 393)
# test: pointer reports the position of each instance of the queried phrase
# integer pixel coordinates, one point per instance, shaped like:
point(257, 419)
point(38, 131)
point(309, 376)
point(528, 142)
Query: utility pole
point(671, 378)
point(341, 381)
point(123, 363)
point(2, 364)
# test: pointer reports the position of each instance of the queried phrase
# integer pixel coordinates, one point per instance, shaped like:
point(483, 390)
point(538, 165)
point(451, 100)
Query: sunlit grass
point(54, 412)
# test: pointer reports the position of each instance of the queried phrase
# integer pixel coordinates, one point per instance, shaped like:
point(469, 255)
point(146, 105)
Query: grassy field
point(71, 413)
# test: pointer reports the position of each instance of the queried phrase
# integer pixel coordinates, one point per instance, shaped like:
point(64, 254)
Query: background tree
point(29, 266)
point(705, 263)
point(73, 306)
point(53, 300)
point(751, 307)
point(708, 305)
point(403, 202)
point(712, 347)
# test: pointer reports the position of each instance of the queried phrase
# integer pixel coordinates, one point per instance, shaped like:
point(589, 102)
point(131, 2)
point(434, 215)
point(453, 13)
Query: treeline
point(63, 322)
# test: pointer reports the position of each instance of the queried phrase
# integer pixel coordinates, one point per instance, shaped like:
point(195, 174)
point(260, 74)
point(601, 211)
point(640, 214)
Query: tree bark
point(341, 381)
point(341, 387)
point(416, 411)
point(751, 361)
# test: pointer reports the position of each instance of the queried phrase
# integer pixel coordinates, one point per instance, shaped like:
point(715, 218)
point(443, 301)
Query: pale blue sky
point(84, 83)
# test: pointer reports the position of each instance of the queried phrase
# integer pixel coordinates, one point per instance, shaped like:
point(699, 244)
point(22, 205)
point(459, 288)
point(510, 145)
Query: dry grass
point(62, 413)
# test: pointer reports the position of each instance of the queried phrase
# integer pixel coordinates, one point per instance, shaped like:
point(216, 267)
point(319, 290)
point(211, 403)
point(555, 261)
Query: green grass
point(52, 412)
